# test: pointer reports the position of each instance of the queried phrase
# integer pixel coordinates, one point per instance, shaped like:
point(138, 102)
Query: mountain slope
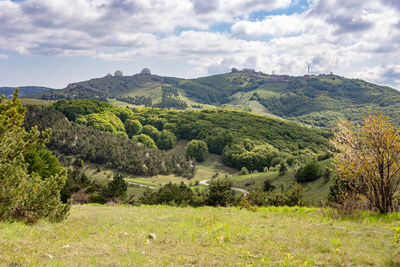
point(23, 90)
point(315, 100)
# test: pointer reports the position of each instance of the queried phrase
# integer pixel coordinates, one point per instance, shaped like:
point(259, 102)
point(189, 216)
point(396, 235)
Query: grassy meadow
point(120, 236)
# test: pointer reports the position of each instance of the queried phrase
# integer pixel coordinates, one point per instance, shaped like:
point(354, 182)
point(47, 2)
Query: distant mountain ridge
point(315, 100)
point(23, 90)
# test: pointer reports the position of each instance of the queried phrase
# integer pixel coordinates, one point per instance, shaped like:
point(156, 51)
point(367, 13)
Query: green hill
point(94, 131)
point(23, 90)
point(315, 100)
point(170, 236)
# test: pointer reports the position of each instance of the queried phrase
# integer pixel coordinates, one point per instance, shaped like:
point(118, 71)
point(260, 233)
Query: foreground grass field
point(119, 236)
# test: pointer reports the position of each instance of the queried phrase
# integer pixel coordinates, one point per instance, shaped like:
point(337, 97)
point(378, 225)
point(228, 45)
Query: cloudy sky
point(55, 42)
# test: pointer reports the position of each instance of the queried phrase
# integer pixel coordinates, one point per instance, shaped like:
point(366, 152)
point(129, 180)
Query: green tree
point(197, 149)
point(282, 168)
point(217, 139)
point(309, 172)
point(166, 140)
point(43, 162)
point(268, 186)
point(25, 196)
point(151, 131)
point(244, 171)
point(220, 193)
point(104, 121)
point(133, 127)
point(116, 188)
point(145, 140)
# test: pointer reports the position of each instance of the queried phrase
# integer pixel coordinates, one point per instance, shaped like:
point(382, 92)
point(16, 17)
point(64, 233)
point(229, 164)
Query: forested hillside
point(23, 90)
point(127, 139)
point(315, 100)
point(108, 149)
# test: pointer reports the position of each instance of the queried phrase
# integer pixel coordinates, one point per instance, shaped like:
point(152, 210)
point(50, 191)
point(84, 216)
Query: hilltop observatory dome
point(145, 71)
point(118, 73)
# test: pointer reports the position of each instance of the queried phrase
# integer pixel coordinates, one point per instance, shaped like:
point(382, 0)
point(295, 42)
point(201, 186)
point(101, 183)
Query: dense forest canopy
point(243, 139)
point(113, 150)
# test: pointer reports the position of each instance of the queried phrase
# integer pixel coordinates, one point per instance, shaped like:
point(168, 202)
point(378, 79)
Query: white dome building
point(118, 73)
point(145, 71)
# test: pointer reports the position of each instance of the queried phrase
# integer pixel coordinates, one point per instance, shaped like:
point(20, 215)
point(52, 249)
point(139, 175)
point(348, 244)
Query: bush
point(133, 127)
point(170, 194)
point(151, 131)
point(197, 149)
point(220, 193)
point(244, 171)
point(268, 186)
point(291, 198)
point(116, 188)
point(145, 140)
point(245, 204)
point(282, 168)
point(309, 172)
point(166, 140)
point(80, 197)
point(105, 121)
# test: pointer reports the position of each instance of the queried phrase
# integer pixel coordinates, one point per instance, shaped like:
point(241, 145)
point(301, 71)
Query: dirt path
point(204, 182)
point(244, 191)
point(142, 185)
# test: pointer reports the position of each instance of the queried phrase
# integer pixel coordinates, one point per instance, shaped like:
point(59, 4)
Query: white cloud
point(332, 35)
point(2, 56)
point(386, 74)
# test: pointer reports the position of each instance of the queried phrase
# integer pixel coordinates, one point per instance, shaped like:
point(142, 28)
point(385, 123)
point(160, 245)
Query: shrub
point(369, 160)
point(282, 168)
point(145, 140)
point(171, 194)
point(268, 186)
point(309, 172)
point(116, 188)
point(245, 204)
point(105, 121)
point(133, 127)
point(220, 193)
point(244, 171)
point(197, 149)
point(166, 140)
point(291, 198)
point(80, 197)
point(151, 131)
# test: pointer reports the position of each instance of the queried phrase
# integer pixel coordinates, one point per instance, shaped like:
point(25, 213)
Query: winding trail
point(245, 192)
point(142, 185)
point(204, 182)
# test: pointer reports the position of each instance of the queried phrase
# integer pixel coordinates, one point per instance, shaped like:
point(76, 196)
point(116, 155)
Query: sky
point(56, 42)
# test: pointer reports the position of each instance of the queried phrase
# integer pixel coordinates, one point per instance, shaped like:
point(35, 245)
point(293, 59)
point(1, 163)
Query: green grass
point(204, 171)
point(136, 191)
point(118, 236)
point(257, 108)
point(329, 80)
point(314, 191)
point(36, 102)
point(118, 103)
point(148, 89)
